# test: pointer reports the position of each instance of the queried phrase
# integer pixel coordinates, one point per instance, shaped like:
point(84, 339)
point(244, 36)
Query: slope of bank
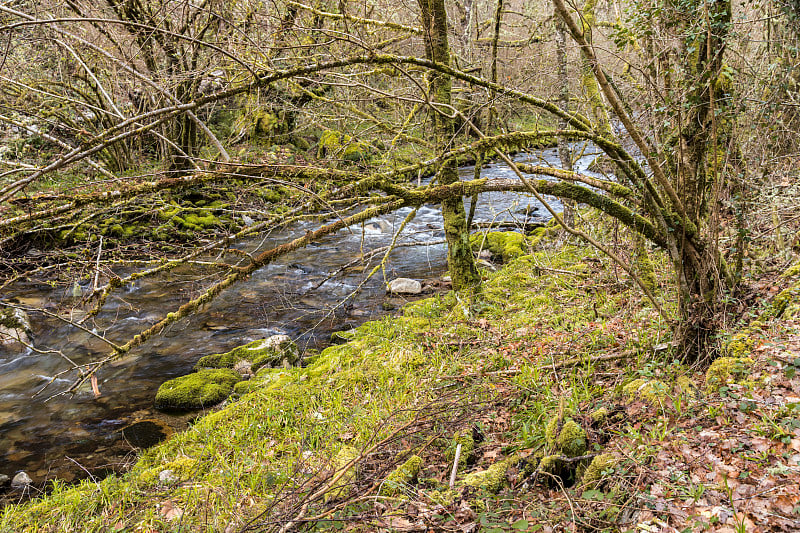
point(554, 393)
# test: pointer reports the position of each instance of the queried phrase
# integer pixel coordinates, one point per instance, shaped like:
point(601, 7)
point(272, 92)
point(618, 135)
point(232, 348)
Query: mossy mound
point(506, 245)
point(566, 437)
point(183, 468)
point(491, 479)
point(342, 146)
point(202, 389)
point(402, 476)
point(726, 370)
point(651, 391)
point(275, 351)
point(594, 473)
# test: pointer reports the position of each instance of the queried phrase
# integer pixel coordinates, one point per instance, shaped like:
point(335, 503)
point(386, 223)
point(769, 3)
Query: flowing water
point(70, 437)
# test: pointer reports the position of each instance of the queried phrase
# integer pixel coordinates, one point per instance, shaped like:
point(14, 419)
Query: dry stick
point(211, 293)
point(455, 467)
point(97, 264)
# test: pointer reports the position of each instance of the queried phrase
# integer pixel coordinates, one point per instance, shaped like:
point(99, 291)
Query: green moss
point(444, 498)
point(594, 472)
point(507, 245)
point(183, 468)
point(685, 386)
point(551, 464)
point(335, 144)
point(464, 438)
point(739, 344)
point(600, 415)
point(565, 436)
point(725, 370)
point(571, 440)
point(273, 352)
point(201, 389)
point(491, 479)
point(541, 235)
point(402, 476)
point(342, 460)
point(652, 391)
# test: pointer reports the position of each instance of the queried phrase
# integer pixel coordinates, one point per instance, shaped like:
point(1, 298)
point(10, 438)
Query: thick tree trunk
point(460, 260)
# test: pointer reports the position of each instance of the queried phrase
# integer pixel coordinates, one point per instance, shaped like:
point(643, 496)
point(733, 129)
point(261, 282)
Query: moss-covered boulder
point(506, 245)
point(726, 370)
point(566, 437)
point(273, 352)
point(402, 476)
point(202, 389)
point(15, 327)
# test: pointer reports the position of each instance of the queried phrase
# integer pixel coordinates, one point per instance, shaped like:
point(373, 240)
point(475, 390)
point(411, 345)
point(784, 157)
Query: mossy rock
point(600, 416)
point(566, 437)
point(345, 456)
point(275, 351)
point(651, 391)
point(686, 387)
point(464, 438)
point(506, 245)
point(593, 474)
point(402, 476)
point(202, 389)
point(445, 498)
point(335, 144)
point(492, 479)
point(726, 370)
point(183, 468)
point(540, 235)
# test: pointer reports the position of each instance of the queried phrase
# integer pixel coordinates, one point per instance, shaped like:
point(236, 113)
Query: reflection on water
point(62, 437)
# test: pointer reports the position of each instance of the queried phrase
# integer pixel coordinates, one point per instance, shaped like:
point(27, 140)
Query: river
point(71, 437)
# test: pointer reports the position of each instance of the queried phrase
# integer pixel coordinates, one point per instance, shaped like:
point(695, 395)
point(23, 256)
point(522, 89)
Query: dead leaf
point(169, 511)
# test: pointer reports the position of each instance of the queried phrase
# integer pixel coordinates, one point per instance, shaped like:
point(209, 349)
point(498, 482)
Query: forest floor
point(558, 385)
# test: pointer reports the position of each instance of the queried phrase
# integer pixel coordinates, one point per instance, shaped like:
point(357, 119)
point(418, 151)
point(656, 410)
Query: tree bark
point(460, 260)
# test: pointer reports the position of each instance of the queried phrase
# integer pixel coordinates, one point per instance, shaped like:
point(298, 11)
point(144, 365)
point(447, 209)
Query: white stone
point(167, 476)
point(404, 286)
point(21, 480)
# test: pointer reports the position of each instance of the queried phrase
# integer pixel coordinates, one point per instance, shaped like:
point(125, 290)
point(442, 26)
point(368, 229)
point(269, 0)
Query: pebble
point(21, 480)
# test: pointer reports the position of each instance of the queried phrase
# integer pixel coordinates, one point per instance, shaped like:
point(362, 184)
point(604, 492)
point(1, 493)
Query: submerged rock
point(21, 481)
point(202, 389)
point(404, 286)
point(15, 327)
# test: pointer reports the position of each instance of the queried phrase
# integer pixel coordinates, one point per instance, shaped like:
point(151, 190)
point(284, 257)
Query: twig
point(455, 467)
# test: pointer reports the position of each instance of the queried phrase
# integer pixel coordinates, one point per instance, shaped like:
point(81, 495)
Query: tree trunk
point(460, 260)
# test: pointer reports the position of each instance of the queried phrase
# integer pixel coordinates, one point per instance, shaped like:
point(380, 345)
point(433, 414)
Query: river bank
point(556, 340)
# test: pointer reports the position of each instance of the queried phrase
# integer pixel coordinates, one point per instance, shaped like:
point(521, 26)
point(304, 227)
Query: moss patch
point(506, 245)
point(195, 391)
point(726, 370)
point(652, 391)
point(600, 464)
point(566, 437)
point(491, 479)
point(402, 476)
